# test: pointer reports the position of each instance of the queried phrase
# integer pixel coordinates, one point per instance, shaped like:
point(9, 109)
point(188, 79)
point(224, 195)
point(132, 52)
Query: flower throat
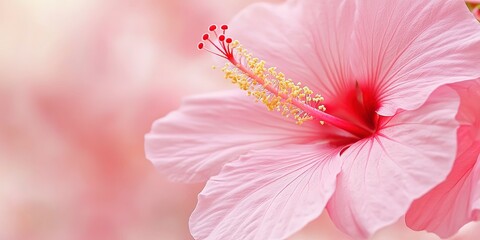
point(270, 87)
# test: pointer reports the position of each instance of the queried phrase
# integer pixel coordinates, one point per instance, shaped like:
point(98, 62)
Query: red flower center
point(358, 105)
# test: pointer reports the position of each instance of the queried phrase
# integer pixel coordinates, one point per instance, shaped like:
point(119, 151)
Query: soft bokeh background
point(81, 81)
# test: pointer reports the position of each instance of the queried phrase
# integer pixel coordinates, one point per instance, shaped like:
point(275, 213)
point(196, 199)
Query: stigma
point(265, 84)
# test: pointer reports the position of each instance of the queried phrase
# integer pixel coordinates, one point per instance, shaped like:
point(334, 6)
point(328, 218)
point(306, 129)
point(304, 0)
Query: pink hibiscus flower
point(390, 132)
point(455, 201)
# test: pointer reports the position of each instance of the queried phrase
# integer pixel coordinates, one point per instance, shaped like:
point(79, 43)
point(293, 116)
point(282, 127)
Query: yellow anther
point(263, 80)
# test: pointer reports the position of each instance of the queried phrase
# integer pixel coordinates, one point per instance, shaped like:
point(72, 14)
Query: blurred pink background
point(81, 81)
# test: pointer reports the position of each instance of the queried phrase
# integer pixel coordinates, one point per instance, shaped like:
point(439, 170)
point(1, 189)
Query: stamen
point(271, 87)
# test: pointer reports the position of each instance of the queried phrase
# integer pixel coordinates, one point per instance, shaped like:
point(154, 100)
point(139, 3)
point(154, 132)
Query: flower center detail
point(270, 87)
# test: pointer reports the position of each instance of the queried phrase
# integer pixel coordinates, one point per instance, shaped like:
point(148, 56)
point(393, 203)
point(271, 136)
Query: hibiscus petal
point(447, 207)
point(267, 194)
point(406, 49)
point(402, 49)
point(382, 175)
point(307, 40)
point(194, 142)
point(476, 191)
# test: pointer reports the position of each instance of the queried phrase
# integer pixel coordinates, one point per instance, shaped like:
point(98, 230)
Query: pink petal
point(267, 194)
point(475, 207)
point(381, 176)
point(307, 40)
point(406, 49)
point(448, 206)
point(401, 49)
point(194, 142)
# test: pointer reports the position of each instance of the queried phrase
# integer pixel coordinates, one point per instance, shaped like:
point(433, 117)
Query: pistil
point(271, 87)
